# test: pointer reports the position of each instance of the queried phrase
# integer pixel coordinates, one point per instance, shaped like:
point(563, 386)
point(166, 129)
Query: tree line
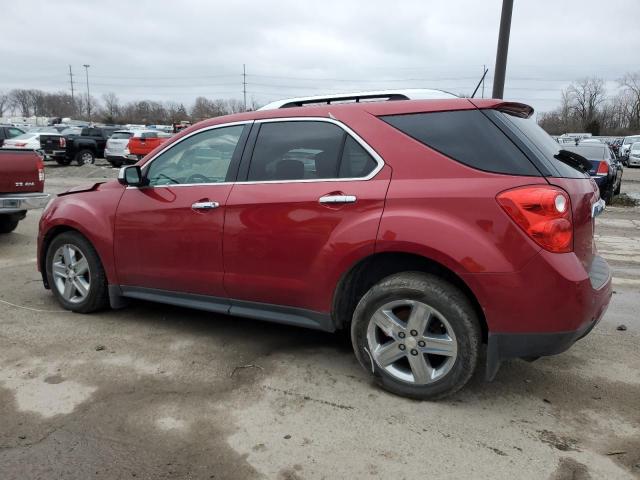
point(586, 107)
point(110, 109)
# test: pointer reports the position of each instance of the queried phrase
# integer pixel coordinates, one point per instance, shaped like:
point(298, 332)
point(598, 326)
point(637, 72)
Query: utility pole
point(86, 69)
point(244, 85)
point(503, 48)
point(71, 81)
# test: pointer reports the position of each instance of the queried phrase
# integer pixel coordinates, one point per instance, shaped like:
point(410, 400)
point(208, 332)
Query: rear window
point(121, 135)
point(538, 141)
point(590, 153)
point(468, 137)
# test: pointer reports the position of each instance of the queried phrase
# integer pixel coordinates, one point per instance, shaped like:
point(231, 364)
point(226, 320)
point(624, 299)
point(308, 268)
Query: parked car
point(82, 145)
point(8, 131)
point(28, 141)
point(291, 214)
point(626, 145)
point(590, 141)
point(605, 168)
point(21, 186)
point(634, 155)
point(141, 143)
point(116, 149)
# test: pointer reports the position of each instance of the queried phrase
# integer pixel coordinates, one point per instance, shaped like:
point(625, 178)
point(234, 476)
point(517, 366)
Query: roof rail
point(380, 95)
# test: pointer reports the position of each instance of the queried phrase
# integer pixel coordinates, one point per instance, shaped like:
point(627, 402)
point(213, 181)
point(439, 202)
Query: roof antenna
point(480, 82)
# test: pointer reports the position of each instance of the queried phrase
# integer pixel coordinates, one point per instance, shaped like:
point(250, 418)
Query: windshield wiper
point(574, 160)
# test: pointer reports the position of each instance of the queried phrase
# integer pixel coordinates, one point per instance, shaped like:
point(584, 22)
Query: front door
point(310, 206)
point(168, 234)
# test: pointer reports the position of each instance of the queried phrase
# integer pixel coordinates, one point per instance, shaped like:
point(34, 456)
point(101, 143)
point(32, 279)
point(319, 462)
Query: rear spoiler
point(516, 109)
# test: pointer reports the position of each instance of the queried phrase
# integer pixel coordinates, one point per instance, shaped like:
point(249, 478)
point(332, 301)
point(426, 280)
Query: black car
point(606, 169)
point(82, 145)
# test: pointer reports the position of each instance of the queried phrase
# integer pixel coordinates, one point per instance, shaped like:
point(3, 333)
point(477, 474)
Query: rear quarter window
point(468, 137)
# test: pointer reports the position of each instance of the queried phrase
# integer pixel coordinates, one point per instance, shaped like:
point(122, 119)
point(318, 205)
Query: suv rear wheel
point(418, 335)
point(75, 273)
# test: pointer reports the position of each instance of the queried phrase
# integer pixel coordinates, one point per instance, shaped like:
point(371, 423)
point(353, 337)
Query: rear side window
point(468, 137)
point(307, 150)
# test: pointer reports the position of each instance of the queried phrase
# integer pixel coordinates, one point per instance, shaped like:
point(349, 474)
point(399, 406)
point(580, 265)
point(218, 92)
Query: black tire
point(617, 190)
point(441, 296)
point(8, 223)
point(115, 164)
point(63, 161)
point(85, 156)
point(608, 196)
point(97, 297)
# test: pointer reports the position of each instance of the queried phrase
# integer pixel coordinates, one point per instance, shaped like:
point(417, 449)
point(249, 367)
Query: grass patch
point(624, 200)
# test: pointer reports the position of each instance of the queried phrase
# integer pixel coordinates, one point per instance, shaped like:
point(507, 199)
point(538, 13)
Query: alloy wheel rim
point(412, 342)
point(86, 158)
point(71, 273)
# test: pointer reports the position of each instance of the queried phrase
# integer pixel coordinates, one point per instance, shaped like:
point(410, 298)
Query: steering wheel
point(197, 178)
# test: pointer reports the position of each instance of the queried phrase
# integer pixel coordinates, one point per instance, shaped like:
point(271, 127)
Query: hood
point(81, 188)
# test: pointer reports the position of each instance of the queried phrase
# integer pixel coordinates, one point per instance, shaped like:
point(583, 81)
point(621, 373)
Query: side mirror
point(131, 176)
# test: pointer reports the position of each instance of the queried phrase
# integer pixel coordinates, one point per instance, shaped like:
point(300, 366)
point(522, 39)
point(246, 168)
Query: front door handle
point(205, 205)
point(338, 199)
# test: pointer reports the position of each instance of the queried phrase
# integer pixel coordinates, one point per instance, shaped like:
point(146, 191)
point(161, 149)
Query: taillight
point(603, 169)
point(544, 213)
point(20, 144)
point(40, 170)
point(62, 142)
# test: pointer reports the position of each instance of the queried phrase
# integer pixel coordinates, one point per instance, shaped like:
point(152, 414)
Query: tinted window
point(202, 158)
point(467, 136)
point(149, 135)
point(356, 161)
point(588, 152)
point(296, 150)
point(528, 131)
point(121, 135)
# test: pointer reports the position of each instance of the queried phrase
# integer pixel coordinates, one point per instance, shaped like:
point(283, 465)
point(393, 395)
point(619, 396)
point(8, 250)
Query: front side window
point(307, 150)
point(14, 132)
point(201, 158)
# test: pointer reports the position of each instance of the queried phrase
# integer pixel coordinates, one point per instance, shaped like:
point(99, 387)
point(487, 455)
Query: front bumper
point(633, 161)
point(18, 202)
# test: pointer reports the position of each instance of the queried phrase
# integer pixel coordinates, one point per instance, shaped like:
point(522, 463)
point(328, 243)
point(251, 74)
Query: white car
point(27, 141)
point(626, 144)
point(116, 151)
point(634, 155)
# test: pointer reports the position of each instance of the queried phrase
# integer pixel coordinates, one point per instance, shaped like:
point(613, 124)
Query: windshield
point(635, 147)
point(629, 140)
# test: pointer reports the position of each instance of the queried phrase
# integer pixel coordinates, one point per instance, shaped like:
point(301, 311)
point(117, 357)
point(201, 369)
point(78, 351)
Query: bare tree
point(111, 109)
point(585, 97)
point(4, 102)
point(20, 100)
point(630, 85)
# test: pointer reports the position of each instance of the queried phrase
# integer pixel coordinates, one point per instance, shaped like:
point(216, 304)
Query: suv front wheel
point(417, 334)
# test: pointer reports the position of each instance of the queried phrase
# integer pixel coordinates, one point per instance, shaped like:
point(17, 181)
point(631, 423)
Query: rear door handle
point(338, 199)
point(205, 205)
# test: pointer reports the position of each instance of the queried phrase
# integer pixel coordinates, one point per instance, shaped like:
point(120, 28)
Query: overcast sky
point(180, 49)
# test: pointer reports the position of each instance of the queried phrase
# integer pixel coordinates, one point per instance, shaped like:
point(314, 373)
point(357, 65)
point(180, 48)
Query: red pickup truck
point(21, 186)
point(144, 142)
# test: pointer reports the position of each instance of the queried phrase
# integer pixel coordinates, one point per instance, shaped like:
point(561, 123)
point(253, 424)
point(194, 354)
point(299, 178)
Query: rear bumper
point(543, 308)
point(14, 203)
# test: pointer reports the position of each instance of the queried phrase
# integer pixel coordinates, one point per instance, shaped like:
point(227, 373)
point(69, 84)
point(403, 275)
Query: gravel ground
point(157, 392)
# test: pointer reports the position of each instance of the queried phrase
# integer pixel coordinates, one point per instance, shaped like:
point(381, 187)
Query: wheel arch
point(373, 268)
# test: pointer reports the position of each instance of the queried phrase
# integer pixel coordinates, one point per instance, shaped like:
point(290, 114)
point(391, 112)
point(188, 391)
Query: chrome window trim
point(377, 158)
point(147, 164)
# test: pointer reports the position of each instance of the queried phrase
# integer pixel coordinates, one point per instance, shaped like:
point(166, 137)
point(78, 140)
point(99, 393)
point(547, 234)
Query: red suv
point(425, 228)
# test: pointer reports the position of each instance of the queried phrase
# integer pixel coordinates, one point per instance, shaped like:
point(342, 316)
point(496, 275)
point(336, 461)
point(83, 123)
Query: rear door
point(168, 235)
point(311, 197)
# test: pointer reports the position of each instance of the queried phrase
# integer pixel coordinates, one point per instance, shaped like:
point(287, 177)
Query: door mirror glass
point(131, 176)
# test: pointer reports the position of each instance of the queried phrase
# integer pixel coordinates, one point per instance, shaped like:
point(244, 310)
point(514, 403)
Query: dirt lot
point(158, 392)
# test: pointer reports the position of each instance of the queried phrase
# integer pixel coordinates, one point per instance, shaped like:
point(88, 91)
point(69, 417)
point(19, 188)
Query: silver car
point(116, 149)
point(634, 155)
